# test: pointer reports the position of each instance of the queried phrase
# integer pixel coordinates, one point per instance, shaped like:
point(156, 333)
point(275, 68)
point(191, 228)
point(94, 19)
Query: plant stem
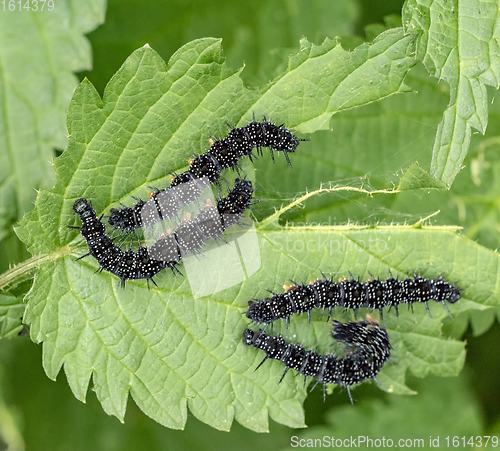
point(19, 273)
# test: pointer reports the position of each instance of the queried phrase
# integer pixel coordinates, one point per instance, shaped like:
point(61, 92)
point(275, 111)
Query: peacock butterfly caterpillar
point(351, 294)
point(367, 348)
point(169, 249)
point(205, 169)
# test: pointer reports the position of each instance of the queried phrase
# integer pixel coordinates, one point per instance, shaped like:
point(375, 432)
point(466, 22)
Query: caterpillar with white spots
point(351, 294)
point(169, 249)
point(205, 169)
point(367, 348)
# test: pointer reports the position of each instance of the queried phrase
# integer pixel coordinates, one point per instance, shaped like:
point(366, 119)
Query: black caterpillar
point(351, 294)
point(188, 238)
point(367, 349)
point(205, 169)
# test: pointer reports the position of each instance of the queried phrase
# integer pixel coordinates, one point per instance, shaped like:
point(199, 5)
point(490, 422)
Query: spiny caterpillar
point(205, 169)
point(351, 294)
point(367, 349)
point(168, 250)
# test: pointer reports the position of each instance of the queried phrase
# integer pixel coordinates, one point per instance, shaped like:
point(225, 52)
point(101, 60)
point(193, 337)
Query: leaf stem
point(270, 219)
point(14, 276)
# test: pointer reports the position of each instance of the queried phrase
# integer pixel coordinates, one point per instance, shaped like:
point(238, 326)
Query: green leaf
point(369, 149)
point(172, 350)
point(315, 91)
point(260, 34)
point(415, 418)
point(35, 88)
point(481, 321)
point(415, 177)
point(190, 108)
point(10, 430)
point(458, 43)
point(11, 313)
point(81, 427)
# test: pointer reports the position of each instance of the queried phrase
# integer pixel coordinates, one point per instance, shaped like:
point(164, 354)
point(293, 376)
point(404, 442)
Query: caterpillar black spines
point(162, 205)
point(126, 265)
point(224, 153)
point(352, 294)
point(169, 249)
point(367, 349)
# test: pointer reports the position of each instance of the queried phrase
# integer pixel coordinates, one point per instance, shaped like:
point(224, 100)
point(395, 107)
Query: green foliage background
point(371, 147)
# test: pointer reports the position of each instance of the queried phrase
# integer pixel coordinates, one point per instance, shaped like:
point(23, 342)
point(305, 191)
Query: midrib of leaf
point(21, 271)
point(272, 218)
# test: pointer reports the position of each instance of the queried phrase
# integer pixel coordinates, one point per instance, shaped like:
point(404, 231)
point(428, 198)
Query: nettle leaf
point(169, 348)
point(458, 43)
point(403, 418)
point(35, 89)
point(369, 148)
point(251, 32)
point(11, 312)
point(415, 177)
